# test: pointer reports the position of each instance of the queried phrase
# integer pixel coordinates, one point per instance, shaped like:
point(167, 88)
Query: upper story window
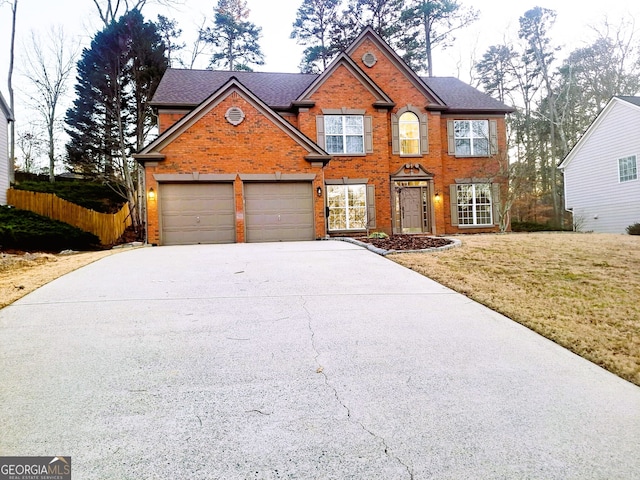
point(409, 132)
point(472, 138)
point(627, 168)
point(344, 133)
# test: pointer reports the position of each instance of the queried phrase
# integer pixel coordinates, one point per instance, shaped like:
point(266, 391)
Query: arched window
point(409, 130)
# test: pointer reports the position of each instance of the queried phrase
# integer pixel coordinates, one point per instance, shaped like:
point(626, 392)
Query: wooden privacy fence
point(106, 226)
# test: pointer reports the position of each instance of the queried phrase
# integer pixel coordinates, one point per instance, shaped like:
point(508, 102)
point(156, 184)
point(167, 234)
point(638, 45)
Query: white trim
point(599, 119)
point(345, 192)
point(635, 158)
point(474, 206)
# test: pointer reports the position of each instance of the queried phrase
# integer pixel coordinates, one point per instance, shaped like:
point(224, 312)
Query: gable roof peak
point(152, 151)
point(345, 60)
point(368, 33)
point(628, 102)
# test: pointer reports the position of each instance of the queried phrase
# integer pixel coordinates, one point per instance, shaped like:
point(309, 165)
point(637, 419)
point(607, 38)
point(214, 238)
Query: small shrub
point(378, 235)
point(634, 229)
point(27, 231)
point(535, 227)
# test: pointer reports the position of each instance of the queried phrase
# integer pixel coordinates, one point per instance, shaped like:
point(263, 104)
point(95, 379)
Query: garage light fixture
point(319, 191)
point(152, 194)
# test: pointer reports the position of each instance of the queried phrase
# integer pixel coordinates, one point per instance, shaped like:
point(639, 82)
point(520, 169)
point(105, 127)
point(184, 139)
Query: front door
point(411, 209)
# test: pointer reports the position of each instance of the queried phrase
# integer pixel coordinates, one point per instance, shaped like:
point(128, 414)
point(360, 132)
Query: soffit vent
point(369, 59)
point(234, 116)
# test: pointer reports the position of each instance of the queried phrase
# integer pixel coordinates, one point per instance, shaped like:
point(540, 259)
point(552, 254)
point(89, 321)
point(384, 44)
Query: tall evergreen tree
point(110, 117)
point(110, 10)
point(170, 33)
point(234, 39)
point(430, 24)
point(494, 70)
point(534, 30)
point(382, 15)
point(316, 27)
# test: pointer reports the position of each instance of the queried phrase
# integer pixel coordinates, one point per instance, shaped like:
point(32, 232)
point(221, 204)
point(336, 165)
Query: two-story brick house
point(367, 145)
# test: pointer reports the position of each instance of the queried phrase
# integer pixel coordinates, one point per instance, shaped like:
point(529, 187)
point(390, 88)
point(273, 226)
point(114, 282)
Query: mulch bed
point(406, 242)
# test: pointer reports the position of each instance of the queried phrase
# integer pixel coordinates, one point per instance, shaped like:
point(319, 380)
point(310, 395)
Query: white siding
point(592, 188)
point(4, 158)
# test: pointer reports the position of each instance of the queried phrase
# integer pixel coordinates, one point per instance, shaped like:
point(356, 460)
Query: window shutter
point(451, 138)
point(368, 134)
point(424, 135)
point(495, 202)
point(371, 206)
point(395, 135)
point(453, 203)
point(493, 136)
point(320, 131)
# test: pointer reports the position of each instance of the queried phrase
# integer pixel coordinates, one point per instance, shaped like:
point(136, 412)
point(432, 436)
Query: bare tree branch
point(49, 70)
point(110, 10)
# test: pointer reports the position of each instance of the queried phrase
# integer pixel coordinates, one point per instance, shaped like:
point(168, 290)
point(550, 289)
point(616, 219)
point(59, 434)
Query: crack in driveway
point(320, 370)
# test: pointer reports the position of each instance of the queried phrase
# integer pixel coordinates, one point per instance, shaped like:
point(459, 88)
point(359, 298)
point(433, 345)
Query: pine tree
point(235, 40)
point(382, 15)
point(316, 27)
point(110, 117)
point(430, 24)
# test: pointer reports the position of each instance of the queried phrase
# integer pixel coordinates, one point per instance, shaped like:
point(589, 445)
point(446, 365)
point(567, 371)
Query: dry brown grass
point(22, 274)
point(580, 290)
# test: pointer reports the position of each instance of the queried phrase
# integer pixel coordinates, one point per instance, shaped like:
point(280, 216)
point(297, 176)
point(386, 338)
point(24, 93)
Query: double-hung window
point(409, 132)
point(347, 207)
point(471, 137)
point(344, 133)
point(627, 169)
point(474, 204)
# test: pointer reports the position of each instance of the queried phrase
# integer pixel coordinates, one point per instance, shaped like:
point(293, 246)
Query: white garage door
point(193, 213)
point(276, 212)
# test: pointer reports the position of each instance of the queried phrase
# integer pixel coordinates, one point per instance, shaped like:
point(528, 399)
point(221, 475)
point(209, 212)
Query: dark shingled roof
point(459, 96)
point(634, 100)
point(191, 87)
point(278, 90)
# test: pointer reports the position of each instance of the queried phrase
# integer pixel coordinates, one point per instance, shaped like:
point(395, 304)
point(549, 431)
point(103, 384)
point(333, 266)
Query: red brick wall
point(470, 167)
point(214, 146)
point(165, 120)
point(444, 167)
point(343, 90)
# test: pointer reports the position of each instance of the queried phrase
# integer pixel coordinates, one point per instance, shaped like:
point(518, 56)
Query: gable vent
point(234, 116)
point(369, 59)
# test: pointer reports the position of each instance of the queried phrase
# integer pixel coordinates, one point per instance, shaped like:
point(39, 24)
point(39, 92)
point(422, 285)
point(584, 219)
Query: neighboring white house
point(601, 184)
point(5, 166)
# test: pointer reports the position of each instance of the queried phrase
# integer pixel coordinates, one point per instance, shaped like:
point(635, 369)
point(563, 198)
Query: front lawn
point(580, 290)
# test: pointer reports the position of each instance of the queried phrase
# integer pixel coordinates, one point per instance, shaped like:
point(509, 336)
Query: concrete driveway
point(316, 360)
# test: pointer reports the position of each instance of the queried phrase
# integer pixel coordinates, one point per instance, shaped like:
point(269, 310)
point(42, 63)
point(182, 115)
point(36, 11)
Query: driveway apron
point(309, 360)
